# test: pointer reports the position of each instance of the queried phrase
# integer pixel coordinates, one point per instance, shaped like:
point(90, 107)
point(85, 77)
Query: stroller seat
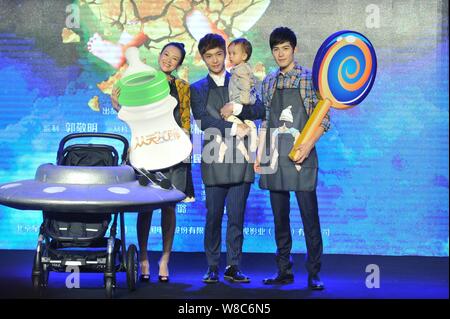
point(77, 229)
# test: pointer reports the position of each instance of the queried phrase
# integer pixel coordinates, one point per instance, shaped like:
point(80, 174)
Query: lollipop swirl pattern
point(343, 73)
point(345, 69)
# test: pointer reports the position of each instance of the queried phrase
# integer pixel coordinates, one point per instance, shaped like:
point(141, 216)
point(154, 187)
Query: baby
point(242, 83)
point(242, 91)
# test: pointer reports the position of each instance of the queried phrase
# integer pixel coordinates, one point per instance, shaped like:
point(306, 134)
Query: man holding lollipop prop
point(296, 99)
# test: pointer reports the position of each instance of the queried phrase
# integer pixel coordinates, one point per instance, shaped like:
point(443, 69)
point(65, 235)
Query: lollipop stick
point(313, 123)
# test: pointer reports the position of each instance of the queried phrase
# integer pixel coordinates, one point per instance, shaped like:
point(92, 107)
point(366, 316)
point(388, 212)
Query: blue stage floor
point(344, 276)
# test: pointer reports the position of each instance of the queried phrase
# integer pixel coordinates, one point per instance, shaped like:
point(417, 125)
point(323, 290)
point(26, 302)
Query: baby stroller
point(77, 239)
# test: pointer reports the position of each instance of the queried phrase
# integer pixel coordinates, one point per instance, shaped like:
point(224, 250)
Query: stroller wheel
point(109, 287)
point(39, 276)
point(45, 274)
point(132, 267)
point(36, 279)
point(110, 275)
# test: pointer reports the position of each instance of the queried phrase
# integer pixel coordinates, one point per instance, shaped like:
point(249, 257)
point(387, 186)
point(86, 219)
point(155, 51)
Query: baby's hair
point(245, 44)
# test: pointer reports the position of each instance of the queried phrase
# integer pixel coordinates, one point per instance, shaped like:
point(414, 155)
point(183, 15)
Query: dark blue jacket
point(199, 99)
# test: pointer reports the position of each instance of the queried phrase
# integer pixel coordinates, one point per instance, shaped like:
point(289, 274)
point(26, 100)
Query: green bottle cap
point(143, 88)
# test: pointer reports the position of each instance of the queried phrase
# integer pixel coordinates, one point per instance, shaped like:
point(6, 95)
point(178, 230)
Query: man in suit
point(227, 176)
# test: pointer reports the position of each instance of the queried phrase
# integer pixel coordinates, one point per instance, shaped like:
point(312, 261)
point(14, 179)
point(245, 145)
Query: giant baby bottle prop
point(343, 73)
point(157, 142)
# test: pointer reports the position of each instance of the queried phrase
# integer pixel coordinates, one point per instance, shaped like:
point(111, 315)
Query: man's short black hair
point(246, 46)
point(281, 35)
point(211, 41)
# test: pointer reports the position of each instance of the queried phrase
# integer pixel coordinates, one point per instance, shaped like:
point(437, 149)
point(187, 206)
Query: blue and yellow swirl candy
point(344, 68)
point(344, 71)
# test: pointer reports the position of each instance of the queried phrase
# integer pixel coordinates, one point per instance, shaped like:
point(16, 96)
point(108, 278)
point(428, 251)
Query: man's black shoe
point(212, 275)
point(281, 278)
point(233, 274)
point(315, 283)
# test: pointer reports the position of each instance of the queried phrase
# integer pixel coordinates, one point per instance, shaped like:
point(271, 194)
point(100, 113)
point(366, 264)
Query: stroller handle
point(102, 135)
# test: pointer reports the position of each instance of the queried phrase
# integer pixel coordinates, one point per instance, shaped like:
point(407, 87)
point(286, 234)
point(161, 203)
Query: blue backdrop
point(383, 178)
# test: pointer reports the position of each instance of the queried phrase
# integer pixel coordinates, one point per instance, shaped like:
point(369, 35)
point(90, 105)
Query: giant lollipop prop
point(343, 73)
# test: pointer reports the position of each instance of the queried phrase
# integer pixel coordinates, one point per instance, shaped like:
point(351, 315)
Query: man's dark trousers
point(235, 196)
point(307, 202)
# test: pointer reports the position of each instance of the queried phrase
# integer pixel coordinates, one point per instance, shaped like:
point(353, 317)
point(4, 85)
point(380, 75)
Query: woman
point(170, 59)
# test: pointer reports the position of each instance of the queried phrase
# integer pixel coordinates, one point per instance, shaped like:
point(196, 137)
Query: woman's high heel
point(163, 278)
point(144, 277)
